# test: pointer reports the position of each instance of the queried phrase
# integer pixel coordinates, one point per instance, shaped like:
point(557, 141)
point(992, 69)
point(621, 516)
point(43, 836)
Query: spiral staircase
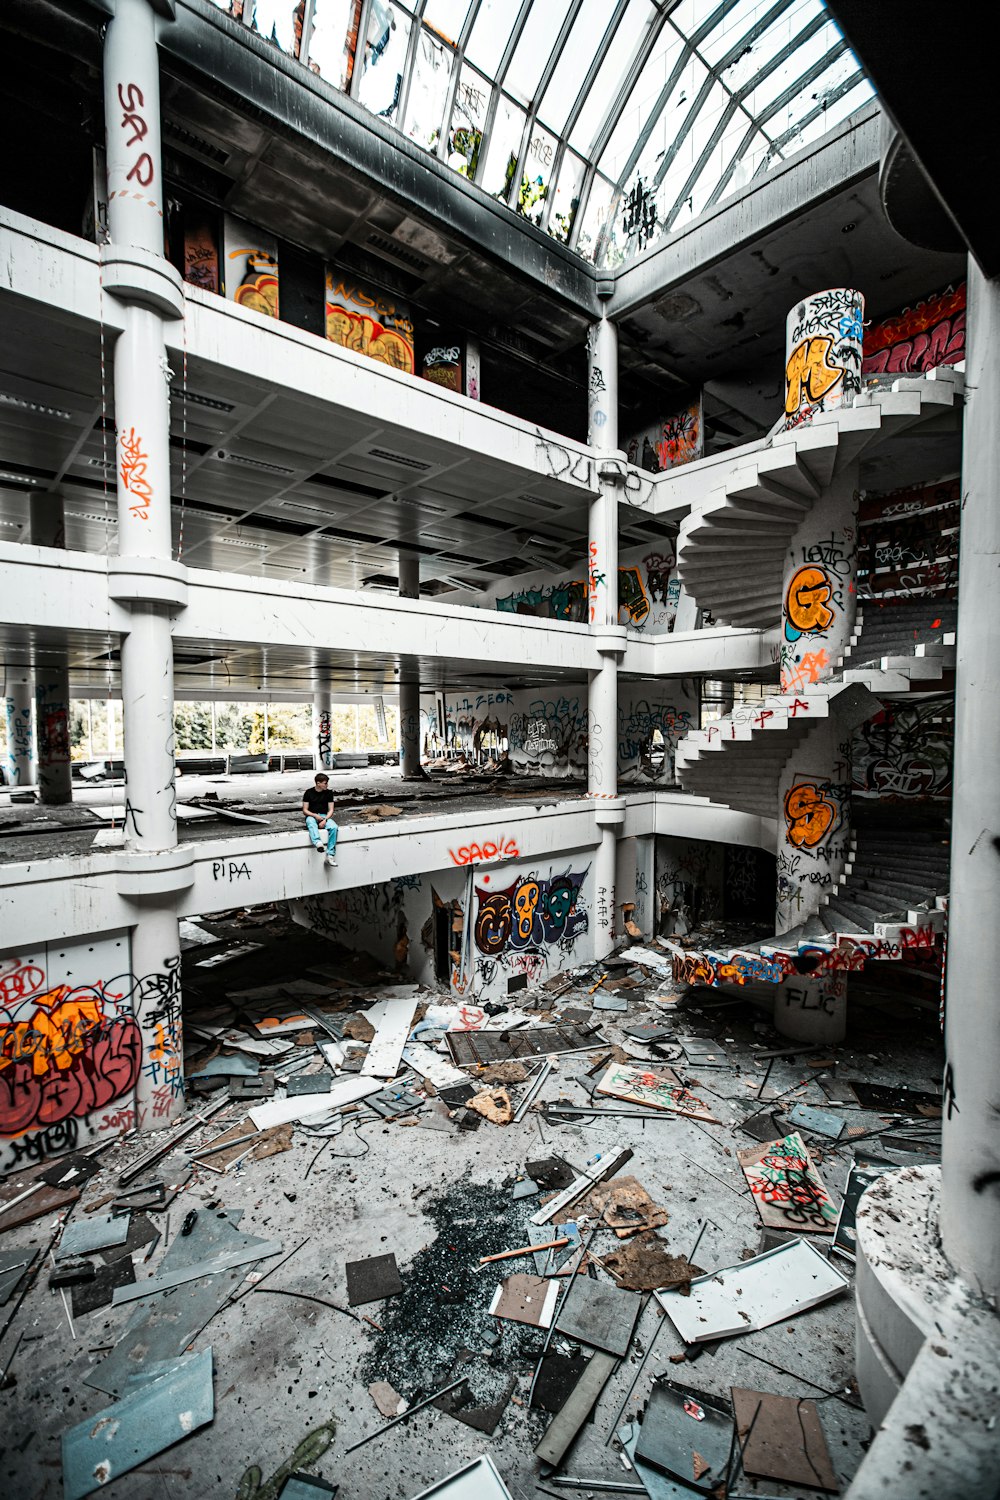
point(890, 898)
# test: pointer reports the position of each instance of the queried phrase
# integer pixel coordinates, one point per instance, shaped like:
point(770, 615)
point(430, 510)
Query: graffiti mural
point(362, 319)
point(443, 366)
point(905, 752)
point(908, 544)
point(817, 609)
point(571, 600)
point(816, 815)
point(648, 735)
point(919, 338)
point(251, 267)
point(823, 335)
point(678, 439)
point(530, 914)
point(72, 1053)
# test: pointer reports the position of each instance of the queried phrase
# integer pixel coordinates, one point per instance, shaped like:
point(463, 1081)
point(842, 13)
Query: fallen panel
point(602, 1316)
point(861, 1176)
point(898, 1100)
point(13, 1265)
point(304, 1085)
point(430, 1064)
point(306, 1487)
point(469, 1048)
point(465, 1406)
point(658, 1486)
point(781, 1438)
point(786, 1186)
point(90, 1295)
point(687, 1435)
point(254, 1250)
point(525, 1299)
point(342, 1091)
point(71, 1171)
point(604, 1001)
point(779, 1284)
point(657, 1088)
point(819, 1121)
point(84, 1236)
point(372, 1280)
point(144, 1423)
point(479, 1480)
point(391, 1019)
point(228, 1067)
point(567, 1423)
point(557, 1375)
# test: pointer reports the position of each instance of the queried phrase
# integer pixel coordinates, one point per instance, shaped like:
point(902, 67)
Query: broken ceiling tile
point(604, 1001)
point(557, 1375)
point(625, 1206)
point(342, 1091)
point(430, 1064)
point(602, 1316)
point(753, 1294)
point(228, 1067)
point(84, 1236)
point(525, 1299)
point(786, 1186)
point(143, 1423)
point(658, 1486)
point(470, 1048)
point(899, 1100)
point(70, 1171)
point(391, 1019)
point(781, 1438)
point(372, 1280)
point(686, 1435)
point(657, 1088)
point(570, 1418)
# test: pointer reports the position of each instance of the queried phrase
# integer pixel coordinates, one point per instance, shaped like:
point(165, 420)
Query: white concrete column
point(602, 578)
point(148, 715)
point(409, 682)
point(970, 1159)
point(144, 578)
point(644, 915)
point(18, 767)
point(814, 821)
point(323, 731)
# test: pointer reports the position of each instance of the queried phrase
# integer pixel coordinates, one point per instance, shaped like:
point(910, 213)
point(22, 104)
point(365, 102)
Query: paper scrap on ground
point(658, 1088)
point(525, 1299)
point(754, 1294)
point(625, 1206)
point(786, 1186)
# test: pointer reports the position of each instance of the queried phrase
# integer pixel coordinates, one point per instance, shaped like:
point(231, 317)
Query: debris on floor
point(522, 1286)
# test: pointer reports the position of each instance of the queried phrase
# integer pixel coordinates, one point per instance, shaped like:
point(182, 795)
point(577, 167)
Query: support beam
point(18, 766)
point(54, 769)
point(409, 682)
point(970, 1156)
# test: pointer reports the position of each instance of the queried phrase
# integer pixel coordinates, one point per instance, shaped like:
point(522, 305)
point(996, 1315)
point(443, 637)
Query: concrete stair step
point(837, 914)
point(902, 894)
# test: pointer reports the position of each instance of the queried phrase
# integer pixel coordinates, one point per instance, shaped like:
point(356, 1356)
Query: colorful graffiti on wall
point(814, 841)
point(816, 597)
point(908, 544)
point(823, 337)
point(905, 752)
point(66, 1052)
point(530, 914)
point(678, 439)
point(251, 267)
point(919, 338)
point(368, 323)
point(571, 600)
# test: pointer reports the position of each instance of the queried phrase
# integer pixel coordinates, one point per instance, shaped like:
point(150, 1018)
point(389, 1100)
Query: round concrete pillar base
point(812, 1009)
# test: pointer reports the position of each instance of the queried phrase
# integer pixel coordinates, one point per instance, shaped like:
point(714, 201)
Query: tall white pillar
point(323, 731)
point(18, 768)
point(970, 1157)
point(409, 682)
point(144, 578)
point(602, 578)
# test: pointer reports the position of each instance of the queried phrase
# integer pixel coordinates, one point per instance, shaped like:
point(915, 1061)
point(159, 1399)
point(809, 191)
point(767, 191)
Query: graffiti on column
point(324, 738)
point(822, 353)
point(130, 97)
point(595, 578)
point(18, 740)
point(135, 480)
point(816, 598)
point(53, 727)
point(678, 438)
point(815, 813)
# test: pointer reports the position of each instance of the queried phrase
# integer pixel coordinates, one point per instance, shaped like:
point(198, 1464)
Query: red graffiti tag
point(133, 472)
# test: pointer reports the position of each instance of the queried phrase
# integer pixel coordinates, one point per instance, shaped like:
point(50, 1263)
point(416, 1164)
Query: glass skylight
point(606, 123)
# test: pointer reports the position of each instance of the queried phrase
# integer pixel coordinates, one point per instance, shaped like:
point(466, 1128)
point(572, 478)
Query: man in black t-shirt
point(317, 807)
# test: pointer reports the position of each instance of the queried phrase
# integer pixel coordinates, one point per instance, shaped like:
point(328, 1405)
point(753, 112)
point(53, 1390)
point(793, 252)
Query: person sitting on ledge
point(317, 808)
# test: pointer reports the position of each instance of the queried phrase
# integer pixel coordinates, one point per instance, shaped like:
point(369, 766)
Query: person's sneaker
point(318, 848)
point(331, 859)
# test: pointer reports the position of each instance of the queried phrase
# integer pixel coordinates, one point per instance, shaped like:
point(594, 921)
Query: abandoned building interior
point(571, 428)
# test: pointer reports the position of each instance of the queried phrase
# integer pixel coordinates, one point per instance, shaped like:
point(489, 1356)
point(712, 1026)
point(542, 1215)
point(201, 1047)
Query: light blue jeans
point(331, 834)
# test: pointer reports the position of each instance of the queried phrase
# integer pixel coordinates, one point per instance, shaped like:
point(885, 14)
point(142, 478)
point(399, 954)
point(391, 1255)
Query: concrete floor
point(54, 832)
point(286, 1369)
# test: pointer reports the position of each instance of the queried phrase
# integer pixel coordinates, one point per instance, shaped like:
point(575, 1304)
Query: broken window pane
point(468, 118)
point(502, 149)
point(432, 67)
point(447, 17)
point(384, 59)
point(331, 49)
point(538, 161)
point(596, 213)
point(277, 22)
point(567, 196)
